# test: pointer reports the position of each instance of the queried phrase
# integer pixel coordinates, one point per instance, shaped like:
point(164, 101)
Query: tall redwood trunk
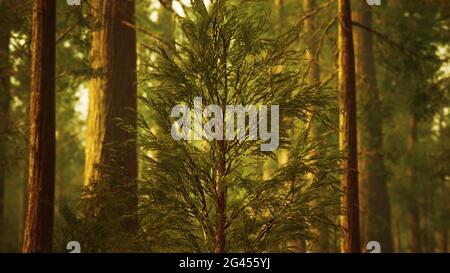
point(398, 238)
point(41, 182)
point(376, 199)
point(442, 242)
point(5, 100)
point(414, 242)
point(347, 134)
point(113, 96)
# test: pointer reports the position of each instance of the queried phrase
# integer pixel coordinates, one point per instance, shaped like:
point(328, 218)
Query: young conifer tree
point(209, 195)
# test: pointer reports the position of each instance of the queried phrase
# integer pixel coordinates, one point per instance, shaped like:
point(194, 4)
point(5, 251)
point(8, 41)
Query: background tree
point(113, 96)
point(373, 173)
point(311, 30)
point(41, 185)
point(410, 105)
point(219, 198)
point(5, 101)
point(348, 133)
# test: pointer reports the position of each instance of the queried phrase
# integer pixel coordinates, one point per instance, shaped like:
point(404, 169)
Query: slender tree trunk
point(279, 9)
point(5, 99)
point(311, 47)
point(166, 24)
point(443, 205)
point(270, 165)
point(414, 244)
point(426, 230)
point(221, 186)
point(348, 135)
point(221, 199)
point(113, 95)
point(376, 200)
point(41, 183)
point(321, 230)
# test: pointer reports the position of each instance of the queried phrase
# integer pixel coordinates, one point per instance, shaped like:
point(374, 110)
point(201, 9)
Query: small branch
point(65, 32)
point(386, 39)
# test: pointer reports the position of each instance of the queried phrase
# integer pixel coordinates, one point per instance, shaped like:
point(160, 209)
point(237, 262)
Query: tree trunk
point(311, 47)
point(321, 245)
point(5, 100)
point(442, 240)
point(414, 244)
point(442, 230)
point(221, 199)
point(166, 24)
point(347, 134)
point(398, 237)
point(279, 11)
point(41, 183)
point(113, 95)
point(378, 226)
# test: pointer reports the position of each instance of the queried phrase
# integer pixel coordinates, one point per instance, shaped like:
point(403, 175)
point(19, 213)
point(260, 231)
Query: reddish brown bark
point(348, 134)
point(5, 99)
point(41, 182)
point(442, 243)
point(113, 96)
point(221, 199)
point(414, 241)
point(375, 197)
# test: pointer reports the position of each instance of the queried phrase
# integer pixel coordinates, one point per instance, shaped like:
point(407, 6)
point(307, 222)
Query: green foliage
point(411, 85)
point(225, 56)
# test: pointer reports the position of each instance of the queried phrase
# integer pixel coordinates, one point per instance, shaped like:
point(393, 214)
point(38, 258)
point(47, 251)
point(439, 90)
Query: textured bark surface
point(414, 242)
point(41, 182)
point(112, 96)
point(376, 199)
point(442, 242)
point(348, 134)
point(5, 101)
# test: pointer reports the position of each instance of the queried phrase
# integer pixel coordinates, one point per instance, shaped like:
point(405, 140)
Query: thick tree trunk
point(442, 240)
point(414, 244)
point(5, 99)
point(348, 135)
point(378, 226)
point(112, 95)
point(41, 183)
point(398, 238)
